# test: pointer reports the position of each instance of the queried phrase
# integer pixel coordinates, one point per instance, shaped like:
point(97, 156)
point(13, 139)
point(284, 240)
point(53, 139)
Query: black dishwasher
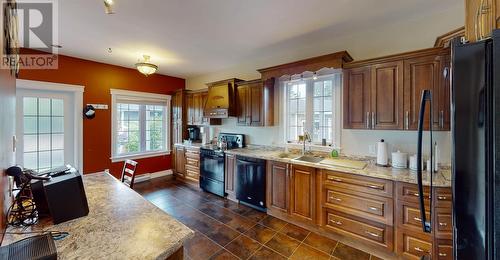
point(251, 182)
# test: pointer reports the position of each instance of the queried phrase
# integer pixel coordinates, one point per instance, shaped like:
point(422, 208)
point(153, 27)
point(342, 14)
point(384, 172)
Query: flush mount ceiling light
point(145, 67)
point(108, 5)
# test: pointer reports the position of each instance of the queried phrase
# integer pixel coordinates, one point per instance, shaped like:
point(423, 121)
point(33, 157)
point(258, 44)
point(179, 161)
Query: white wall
point(413, 34)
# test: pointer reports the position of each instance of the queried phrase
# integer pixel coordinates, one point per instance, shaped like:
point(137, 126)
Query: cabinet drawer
point(408, 215)
point(193, 169)
point(443, 197)
point(379, 234)
point(192, 154)
point(412, 246)
point(444, 250)
point(409, 192)
point(374, 208)
point(192, 162)
point(358, 183)
point(443, 223)
point(192, 173)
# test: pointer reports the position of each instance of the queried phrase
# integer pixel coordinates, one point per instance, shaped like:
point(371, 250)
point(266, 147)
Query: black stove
point(212, 162)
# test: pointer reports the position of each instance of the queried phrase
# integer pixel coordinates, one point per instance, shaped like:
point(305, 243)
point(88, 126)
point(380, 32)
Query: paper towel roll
point(382, 158)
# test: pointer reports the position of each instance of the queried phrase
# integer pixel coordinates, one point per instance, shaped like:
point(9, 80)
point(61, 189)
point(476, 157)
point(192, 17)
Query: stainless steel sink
point(309, 158)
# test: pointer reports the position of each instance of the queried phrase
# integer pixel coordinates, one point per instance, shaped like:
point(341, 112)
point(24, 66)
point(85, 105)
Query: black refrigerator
point(476, 148)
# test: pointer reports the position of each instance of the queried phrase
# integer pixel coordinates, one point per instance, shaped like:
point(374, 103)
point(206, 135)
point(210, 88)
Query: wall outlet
point(372, 149)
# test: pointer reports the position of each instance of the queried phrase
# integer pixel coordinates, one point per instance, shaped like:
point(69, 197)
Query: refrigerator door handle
point(426, 223)
point(482, 107)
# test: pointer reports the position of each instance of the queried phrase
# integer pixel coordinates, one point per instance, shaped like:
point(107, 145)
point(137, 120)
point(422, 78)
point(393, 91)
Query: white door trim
point(77, 90)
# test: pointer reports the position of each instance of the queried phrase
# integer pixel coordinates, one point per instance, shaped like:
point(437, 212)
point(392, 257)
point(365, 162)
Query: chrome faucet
point(306, 138)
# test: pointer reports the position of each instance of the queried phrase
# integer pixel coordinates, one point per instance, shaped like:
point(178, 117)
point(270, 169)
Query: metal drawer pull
point(372, 234)
point(416, 194)
point(373, 208)
point(336, 222)
point(442, 197)
point(417, 219)
point(419, 249)
point(336, 199)
point(443, 224)
point(442, 254)
point(334, 179)
point(376, 187)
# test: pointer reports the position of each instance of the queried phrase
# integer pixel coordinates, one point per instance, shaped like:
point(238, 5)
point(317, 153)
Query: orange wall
point(98, 79)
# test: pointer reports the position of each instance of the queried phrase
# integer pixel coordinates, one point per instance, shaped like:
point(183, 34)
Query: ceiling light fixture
point(145, 67)
point(315, 76)
point(108, 5)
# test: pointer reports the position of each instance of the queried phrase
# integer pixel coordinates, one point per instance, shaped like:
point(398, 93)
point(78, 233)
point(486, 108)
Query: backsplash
point(353, 142)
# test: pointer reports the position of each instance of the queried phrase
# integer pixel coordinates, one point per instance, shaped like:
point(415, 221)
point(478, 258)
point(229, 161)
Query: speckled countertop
point(121, 225)
point(440, 179)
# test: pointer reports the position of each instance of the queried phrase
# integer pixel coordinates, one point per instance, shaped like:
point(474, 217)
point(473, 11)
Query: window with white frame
point(140, 124)
point(313, 104)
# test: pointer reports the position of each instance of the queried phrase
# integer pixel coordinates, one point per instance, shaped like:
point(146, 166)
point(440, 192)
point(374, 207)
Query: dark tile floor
point(227, 230)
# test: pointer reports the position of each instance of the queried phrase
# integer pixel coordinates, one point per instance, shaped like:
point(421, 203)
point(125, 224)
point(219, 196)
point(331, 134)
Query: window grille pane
point(43, 128)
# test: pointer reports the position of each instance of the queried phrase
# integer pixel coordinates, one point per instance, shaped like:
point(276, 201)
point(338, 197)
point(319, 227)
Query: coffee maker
point(193, 133)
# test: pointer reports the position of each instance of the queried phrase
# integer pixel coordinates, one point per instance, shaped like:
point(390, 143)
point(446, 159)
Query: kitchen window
point(313, 104)
point(140, 125)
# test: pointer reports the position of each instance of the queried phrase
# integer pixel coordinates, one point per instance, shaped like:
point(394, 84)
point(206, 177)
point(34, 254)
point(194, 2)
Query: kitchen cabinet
point(254, 102)
point(192, 164)
point(278, 187)
point(481, 18)
point(303, 193)
point(179, 117)
point(229, 167)
point(195, 105)
point(357, 86)
point(180, 161)
point(422, 73)
point(385, 93)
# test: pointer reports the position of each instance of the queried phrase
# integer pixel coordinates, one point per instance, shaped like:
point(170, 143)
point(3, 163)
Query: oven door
point(212, 167)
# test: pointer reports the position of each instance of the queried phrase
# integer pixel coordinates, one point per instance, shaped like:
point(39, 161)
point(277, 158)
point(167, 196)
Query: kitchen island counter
point(121, 224)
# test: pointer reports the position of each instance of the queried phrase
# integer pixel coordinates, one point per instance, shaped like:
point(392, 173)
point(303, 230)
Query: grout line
point(335, 247)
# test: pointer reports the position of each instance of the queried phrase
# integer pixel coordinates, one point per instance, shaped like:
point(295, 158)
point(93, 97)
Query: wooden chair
point(128, 173)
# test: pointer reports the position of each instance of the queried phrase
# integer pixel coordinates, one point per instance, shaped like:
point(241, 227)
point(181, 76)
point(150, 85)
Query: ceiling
point(187, 38)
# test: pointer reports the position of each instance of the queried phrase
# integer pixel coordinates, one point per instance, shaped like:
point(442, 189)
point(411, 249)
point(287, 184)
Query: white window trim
point(77, 91)
point(131, 95)
point(307, 76)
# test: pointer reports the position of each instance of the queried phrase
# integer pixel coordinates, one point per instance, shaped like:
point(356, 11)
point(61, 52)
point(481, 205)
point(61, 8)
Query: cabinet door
point(190, 109)
point(230, 163)
point(444, 94)
point(242, 104)
point(204, 97)
point(387, 96)
point(197, 109)
point(480, 18)
point(357, 86)
point(180, 161)
point(421, 74)
point(254, 107)
point(302, 193)
point(277, 186)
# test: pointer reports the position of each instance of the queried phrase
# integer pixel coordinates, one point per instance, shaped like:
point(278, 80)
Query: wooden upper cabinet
point(421, 74)
point(278, 186)
point(357, 85)
point(481, 18)
point(254, 102)
point(190, 109)
point(197, 109)
point(387, 95)
point(303, 193)
point(195, 104)
point(242, 104)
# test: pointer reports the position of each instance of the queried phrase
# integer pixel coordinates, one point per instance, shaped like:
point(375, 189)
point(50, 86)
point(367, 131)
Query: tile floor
point(227, 230)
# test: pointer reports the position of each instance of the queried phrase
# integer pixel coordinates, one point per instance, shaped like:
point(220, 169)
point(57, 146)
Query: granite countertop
point(440, 179)
point(121, 225)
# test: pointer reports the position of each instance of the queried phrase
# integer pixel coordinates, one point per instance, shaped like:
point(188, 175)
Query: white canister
point(382, 159)
point(399, 160)
point(413, 162)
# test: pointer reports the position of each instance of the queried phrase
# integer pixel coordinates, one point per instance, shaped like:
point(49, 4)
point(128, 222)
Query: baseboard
point(149, 176)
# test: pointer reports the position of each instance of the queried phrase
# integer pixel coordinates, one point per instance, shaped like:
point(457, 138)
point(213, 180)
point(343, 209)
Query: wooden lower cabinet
point(278, 187)
point(303, 193)
point(229, 182)
point(179, 161)
point(383, 215)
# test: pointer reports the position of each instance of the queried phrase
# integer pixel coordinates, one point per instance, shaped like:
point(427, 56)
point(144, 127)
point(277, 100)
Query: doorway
point(48, 125)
